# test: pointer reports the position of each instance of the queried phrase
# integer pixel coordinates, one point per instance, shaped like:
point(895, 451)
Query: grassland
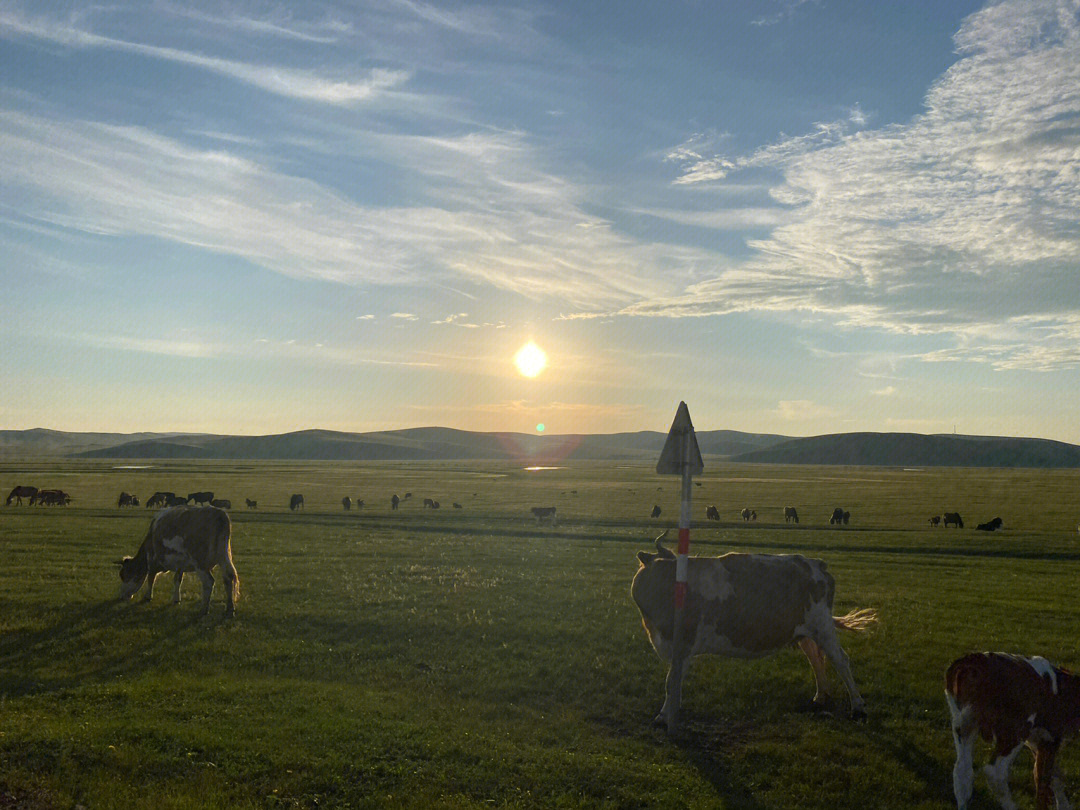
point(468, 658)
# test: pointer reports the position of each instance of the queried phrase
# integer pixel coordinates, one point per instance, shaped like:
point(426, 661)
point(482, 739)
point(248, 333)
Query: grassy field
point(467, 657)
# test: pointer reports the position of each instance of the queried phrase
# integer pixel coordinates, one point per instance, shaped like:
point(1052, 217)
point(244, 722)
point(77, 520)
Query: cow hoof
point(859, 715)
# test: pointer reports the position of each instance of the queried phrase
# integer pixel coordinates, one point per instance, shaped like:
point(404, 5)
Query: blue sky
point(800, 216)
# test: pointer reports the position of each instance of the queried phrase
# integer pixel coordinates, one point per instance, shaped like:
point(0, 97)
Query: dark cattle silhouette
point(712, 513)
point(19, 493)
point(745, 514)
point(953, 518)
point(359, 503)
point(159, 499)
point(50, 497)
point(434, 504)
point(394, 501)
point(753, 514)
point(935, 521)
point(655, 512)
point(346, 503)
point(251, 504)
point(296, 502)
point(201, 497)
point(790, 514)
point(990, 526)
point(545, 513)
point(745, 606)
point(176, 500)
point(837, 516)
point(221, 503)
point(181, 540)
point(407, 496)
point(126, 500)
point(457, 505)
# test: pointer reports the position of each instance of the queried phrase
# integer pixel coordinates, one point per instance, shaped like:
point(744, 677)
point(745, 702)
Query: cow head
point(132, 574)
point(646, 559)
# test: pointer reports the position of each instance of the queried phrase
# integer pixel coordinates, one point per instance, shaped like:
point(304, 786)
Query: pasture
point(469, 657)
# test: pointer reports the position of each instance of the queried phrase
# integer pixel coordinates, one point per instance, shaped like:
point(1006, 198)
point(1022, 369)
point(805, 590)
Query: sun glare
point(530, 359)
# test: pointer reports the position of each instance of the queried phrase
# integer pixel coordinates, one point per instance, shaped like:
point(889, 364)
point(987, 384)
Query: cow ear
point(645, 558)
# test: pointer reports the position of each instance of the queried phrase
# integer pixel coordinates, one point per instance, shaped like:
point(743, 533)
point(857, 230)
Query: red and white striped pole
point(680, 456)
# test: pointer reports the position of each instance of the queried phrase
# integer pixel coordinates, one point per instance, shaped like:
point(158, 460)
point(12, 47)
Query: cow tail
point(232, 579)
point(857, 621)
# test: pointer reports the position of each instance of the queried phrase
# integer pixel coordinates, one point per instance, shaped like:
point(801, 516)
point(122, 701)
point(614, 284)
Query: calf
point(184, 539)
point(745, 606)
point(935, 521)
point(545, 513)
point(712, 513)
point(1011, 701)
point(251, 504)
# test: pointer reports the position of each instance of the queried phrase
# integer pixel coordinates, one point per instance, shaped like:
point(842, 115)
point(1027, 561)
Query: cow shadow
point(709, 746)
point(89, 643)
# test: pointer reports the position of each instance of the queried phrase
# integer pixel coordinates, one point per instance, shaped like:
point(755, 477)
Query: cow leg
point(817, 661)
point(997, 772)
point(148, 594)
point(827, 640)
point(669, 713)
point(178, 578)
point(207, 588)
point(232, 587)
point(963, 732)
point(1047, 779)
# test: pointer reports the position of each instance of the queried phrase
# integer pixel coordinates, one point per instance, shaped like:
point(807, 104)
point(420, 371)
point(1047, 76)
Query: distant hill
point(917, 450)
point(448, 444)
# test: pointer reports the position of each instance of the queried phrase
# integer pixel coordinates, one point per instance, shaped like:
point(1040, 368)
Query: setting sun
point(530, 359)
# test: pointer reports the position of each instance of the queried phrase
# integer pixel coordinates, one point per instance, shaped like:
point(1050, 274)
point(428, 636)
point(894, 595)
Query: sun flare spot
point(530, 359)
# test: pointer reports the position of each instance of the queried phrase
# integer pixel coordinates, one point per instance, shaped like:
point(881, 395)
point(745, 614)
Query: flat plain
point(469, 657)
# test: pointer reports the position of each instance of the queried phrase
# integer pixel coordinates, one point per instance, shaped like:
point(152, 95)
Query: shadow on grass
point(70, 644)
point(710, 746)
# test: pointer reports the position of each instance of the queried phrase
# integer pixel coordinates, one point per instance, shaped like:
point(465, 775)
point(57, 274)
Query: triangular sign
point(681, 454)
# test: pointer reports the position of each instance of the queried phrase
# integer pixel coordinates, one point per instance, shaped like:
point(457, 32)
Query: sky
point(799, 216)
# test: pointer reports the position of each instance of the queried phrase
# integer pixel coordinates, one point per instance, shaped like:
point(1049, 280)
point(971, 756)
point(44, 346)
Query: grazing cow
point(428, 503)
point(19, 493)
point(745, 606)
point(935, 521)
point(175, 500)
point(1011, 701)
point(251, 504)
point(346, 503)
point(837, 516)
point(221, 503)
point(160, 499)
point(712, 513)
point(51, 497)
point(434, 504)
point(991, 526)
point(545, 513)
point(753, 514)
point(790, 514)
point(953, 518)
point(359, 503)
point(457, 505)
point(655, 512)
point(745, 513)
point(126, 499)
point(407, 496)
point(179, 540)
point(394, 501)
point(296, 502)
point(847, 517)
point(201, 497)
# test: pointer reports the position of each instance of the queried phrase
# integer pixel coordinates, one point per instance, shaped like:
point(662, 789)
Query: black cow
point(655, 512)
point(296, 502)
point(712, 513)
point(991, 526)
point(953, 518)
point(201, 497)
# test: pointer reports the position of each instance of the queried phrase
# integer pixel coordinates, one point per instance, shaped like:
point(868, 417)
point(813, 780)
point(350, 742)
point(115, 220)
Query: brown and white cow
point(1011, 701)
point(181, 539)
point(745, 606)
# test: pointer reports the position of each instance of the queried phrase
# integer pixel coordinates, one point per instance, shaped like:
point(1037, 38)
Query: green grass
point(464, 658)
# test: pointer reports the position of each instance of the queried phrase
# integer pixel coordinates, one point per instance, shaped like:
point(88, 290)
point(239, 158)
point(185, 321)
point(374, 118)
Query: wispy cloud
point(959, 221)
point(300, 84)
point(784, 10)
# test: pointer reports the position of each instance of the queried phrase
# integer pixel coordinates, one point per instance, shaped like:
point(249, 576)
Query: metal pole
point(682, 565)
